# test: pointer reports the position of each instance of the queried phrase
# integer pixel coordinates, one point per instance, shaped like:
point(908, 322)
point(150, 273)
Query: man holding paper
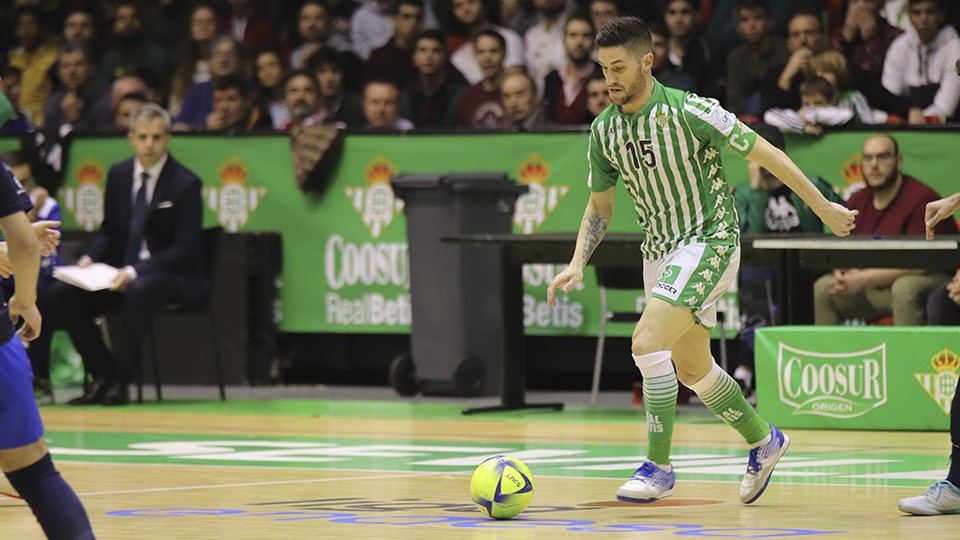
point(151, 233)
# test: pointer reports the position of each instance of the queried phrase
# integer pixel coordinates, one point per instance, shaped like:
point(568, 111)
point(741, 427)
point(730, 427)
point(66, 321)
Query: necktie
point(138, 222)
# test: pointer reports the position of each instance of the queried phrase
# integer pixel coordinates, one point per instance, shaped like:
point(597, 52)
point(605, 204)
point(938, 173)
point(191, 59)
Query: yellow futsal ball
point(501, 487)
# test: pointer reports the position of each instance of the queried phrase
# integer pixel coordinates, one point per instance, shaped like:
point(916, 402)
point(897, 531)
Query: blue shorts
point(20, 422)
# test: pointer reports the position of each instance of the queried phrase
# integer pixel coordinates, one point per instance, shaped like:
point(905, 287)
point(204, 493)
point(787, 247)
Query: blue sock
point(52, 500)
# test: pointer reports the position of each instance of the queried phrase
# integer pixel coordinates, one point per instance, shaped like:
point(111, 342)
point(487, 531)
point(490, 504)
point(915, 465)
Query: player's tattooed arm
point(596, 227)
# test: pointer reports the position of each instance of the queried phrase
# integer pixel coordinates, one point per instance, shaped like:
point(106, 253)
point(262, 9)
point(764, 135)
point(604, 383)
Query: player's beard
point(628, 95)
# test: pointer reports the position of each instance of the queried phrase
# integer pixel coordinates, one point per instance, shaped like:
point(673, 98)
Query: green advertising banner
point(843, 377)
point(836, 157)
point(345, 266)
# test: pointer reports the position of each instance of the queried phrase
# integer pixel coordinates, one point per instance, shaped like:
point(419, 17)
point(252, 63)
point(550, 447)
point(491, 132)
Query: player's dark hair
point(629, 32)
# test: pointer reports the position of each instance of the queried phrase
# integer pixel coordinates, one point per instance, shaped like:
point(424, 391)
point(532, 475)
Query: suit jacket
point(173, 231)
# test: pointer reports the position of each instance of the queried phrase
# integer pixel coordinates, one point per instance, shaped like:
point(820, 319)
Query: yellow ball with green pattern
point(501, 487)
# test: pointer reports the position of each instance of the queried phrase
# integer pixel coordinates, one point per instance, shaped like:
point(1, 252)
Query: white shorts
point(693, 276)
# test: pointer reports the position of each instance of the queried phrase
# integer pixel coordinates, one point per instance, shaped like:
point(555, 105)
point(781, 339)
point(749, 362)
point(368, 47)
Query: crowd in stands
point(233, 65)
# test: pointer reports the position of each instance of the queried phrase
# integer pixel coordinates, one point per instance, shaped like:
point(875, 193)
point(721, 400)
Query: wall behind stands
point(345, 252)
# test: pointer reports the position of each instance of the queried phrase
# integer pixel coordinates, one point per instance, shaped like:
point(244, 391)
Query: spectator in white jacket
point(819, 110)
point(920, 63)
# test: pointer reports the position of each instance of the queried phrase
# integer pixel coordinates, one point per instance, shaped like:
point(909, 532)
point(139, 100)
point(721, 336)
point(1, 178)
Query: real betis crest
point(940, 386)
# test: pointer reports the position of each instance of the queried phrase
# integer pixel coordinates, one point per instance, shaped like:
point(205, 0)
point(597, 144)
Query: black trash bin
point(456, 336)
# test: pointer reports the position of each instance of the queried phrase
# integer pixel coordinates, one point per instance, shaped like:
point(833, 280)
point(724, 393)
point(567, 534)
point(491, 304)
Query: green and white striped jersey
point(668, 155)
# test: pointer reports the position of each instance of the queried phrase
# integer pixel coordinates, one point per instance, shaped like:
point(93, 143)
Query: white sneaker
point(942, 498)
point(761, 463)
point(648, 484)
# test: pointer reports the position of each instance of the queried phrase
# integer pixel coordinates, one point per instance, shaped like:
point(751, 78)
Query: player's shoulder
point(605, 115)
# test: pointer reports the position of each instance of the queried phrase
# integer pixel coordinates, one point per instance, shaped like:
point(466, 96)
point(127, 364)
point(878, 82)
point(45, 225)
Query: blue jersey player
point(24, 458)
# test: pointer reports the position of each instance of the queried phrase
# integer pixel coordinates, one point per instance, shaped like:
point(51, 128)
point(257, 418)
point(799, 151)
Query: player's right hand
point(566, 280)
point(840, 219)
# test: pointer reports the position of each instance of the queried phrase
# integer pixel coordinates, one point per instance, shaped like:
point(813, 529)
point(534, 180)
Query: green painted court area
point(833, 462)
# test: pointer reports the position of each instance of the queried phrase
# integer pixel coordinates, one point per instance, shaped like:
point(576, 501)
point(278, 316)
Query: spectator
point(372, 25)
point(254, 30)
point(765, 205)
point(72, 107)
point(106, 106)
point(920, 64)
point(818, 110)
point(194, 66)
point(481, 104)
point(129, 54)
point(392, 62)
point(601, 11)
point(225, 60)
point(302, 98)
point(151, 232)
point(339, 14)
point(521, 103)
point(342, 104)
point(35, 57)
point(691, 51)
point(312, 31)
point(433, 97)
point(79, 25)
point(760, 56)
point(804, 39)
point(168, 19)
point(127, 105)
point(832, 66)
point(565, 92)
point(892, 203)
point(865, 36)
point(381, 106)
point(473, 16)
point(269, 72)
point(663, 70)
point(544, 40)
point(45, 208)
point(11, 85)
point(232, 110)
point(597, 97)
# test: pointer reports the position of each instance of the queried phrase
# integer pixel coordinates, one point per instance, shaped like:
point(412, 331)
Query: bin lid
point(487, 182)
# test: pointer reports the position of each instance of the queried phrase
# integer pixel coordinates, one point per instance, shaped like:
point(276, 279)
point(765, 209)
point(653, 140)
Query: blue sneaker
point(760, 465)
point(942, 498)
point(648, 484)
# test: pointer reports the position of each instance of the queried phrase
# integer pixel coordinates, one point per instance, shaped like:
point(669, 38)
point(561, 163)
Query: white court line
point(273, 483)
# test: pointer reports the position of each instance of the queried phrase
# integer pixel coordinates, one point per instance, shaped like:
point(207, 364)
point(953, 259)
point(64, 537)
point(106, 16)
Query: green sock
point(722, 395)
point(660, 404)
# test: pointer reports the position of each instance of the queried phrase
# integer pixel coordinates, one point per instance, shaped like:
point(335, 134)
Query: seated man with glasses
point(891, 204)
point(804, 39)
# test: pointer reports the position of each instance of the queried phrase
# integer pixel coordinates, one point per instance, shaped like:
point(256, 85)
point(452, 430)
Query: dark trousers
point(75, 311)
point(941, 310)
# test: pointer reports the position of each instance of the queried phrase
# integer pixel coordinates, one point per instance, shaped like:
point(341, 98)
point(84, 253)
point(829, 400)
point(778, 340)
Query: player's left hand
point(567, 280)
point(840, 219)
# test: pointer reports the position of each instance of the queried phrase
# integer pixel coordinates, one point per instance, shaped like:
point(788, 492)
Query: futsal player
point(664, 146)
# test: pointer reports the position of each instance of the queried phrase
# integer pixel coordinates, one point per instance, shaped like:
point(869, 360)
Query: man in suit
point(151, 231)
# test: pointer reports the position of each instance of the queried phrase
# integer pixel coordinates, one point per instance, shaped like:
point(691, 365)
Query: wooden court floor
point(392, 470)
